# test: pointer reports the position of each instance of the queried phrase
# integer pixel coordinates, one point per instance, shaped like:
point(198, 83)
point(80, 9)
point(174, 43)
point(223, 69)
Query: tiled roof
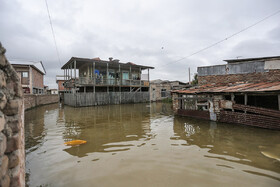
point(233, 88)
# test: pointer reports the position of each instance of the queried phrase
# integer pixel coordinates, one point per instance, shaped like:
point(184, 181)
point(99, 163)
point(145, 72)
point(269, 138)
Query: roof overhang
point(262, 87)
point(82, 61)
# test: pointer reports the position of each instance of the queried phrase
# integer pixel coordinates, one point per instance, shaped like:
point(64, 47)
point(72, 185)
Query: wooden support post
point(232, 99)
point(107, 75)
point(70, 67)
point(75, 68)
point(149, 84)
point(63, 80)
point(278, 101)
point(130, 76)
point(94, 77)
point(245, 100)
point(140, 80)
point(120, 79)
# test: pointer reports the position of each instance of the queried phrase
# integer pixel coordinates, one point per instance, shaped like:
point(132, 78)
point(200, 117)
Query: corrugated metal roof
point(38, 65)
point(233, 88)
point(253, 59)
point(81, 61)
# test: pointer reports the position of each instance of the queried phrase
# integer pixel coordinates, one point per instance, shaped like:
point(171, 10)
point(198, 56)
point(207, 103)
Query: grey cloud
point(137, 30)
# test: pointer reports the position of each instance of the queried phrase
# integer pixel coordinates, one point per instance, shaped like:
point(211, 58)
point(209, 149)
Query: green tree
point(195, 80)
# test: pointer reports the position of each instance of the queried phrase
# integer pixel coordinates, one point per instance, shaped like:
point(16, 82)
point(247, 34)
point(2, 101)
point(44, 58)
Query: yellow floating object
point(75, 142)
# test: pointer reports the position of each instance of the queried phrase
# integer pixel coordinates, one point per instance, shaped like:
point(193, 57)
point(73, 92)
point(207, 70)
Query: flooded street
point(145, 145)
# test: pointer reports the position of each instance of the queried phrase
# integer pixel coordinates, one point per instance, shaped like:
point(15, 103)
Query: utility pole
point(189, 75)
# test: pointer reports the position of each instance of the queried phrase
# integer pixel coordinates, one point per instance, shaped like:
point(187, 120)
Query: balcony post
point(75, 66)
point(94, 78)
point(120, 91)
point(140, 80)
point(149, 83)
point(130, 77)
point(107, 80)
point(70, 68)
point(63, 80)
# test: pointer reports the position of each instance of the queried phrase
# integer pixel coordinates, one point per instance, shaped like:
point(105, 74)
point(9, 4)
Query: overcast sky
point(148, 32)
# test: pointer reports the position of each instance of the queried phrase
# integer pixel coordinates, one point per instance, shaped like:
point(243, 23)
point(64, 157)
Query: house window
point(163, 92)
point(25, 74)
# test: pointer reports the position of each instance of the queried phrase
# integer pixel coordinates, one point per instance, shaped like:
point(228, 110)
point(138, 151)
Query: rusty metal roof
point(233, 88)
point(253, 59)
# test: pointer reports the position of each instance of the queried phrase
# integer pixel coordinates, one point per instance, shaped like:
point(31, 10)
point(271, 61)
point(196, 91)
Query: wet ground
point(145, 145)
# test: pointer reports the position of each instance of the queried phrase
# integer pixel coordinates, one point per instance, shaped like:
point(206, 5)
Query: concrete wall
point(232, 68)
point(156, 88)
point(104, 98)
point(32, 100)
point(12, 156)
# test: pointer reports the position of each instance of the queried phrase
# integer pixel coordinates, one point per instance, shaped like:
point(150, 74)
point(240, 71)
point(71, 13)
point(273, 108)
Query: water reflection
point(35, 130)
point(233, 143)
point(129, 143)
point(104, 127)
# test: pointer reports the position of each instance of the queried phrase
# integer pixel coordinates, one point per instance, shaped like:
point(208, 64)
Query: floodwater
point(145, 145)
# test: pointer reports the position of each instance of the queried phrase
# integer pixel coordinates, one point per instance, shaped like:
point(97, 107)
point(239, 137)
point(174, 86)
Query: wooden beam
point(245, 101)
point(278, 101)
point(232, 99)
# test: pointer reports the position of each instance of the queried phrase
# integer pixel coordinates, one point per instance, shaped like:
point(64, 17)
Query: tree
point(195, 80)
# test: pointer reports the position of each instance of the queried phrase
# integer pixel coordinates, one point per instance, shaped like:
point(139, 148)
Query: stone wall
point(270, 76)
point(31, 100)
point(12, 156)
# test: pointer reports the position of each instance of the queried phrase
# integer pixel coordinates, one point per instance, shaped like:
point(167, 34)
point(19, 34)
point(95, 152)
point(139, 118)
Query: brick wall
point(60, 85)
point(271, 76)
point(32, 100)
point(250, 119)
point(12, 156)
point(38, 79)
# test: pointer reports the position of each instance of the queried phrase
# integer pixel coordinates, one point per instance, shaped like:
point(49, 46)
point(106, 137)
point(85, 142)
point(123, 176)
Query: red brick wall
point(60, 86)
point(250, 119)
point(272, 75)
point(38, 79)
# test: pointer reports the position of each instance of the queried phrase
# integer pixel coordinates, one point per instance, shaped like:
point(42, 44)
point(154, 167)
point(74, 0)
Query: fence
point(105, 98)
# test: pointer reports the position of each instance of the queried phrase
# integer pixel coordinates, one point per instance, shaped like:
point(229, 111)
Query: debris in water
point(75, 142)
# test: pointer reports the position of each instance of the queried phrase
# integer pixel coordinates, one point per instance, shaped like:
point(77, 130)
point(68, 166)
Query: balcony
point(88, 81)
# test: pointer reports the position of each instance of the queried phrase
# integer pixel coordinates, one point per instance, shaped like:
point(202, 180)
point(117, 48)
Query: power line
point(53, 32)
point(230, 36)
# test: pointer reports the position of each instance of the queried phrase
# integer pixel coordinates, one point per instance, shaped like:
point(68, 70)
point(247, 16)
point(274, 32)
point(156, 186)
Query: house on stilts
point(243, 91)
point(90, 82)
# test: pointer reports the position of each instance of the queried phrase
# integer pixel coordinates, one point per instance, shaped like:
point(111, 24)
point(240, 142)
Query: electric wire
point(220, 41)
point(53, 34)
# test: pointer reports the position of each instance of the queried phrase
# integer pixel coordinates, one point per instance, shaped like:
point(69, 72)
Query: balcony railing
point(105, 82)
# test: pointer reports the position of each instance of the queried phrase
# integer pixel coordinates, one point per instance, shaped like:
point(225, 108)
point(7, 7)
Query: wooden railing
point(105, 82)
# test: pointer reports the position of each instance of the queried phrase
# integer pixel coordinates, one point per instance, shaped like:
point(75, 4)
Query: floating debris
point(75, 142)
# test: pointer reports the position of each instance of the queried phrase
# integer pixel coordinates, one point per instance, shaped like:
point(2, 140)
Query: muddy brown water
point(145, 145)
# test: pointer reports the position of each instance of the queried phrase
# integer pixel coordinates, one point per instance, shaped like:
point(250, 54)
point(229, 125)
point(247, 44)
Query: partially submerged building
point(243, 91)
point(161, 89)
point(90, 82)
point(31, 75)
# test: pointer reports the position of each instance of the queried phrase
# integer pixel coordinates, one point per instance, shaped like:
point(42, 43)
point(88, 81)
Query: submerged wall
point(12, 156)
point(105, 98)
point(31, 101)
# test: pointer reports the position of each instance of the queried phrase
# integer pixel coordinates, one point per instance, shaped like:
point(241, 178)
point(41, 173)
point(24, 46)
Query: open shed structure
point(244, 91)
point(94, 81)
